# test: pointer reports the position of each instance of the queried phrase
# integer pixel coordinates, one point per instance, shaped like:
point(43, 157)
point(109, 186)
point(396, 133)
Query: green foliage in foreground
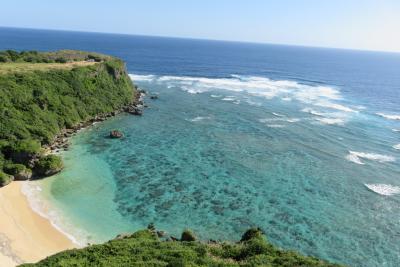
point(36, 105)
point(143, 248)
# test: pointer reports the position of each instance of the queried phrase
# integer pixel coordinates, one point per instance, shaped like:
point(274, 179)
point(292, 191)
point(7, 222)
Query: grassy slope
point(143, 248)
point(21, 67)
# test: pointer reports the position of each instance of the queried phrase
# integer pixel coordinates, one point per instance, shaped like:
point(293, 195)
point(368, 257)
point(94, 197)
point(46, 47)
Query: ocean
point(302, 142)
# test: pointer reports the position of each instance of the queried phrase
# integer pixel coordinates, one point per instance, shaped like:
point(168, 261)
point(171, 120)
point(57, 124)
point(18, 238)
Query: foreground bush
point(144, 248)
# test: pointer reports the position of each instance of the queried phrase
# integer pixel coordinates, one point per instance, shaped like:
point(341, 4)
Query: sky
point(354, 24)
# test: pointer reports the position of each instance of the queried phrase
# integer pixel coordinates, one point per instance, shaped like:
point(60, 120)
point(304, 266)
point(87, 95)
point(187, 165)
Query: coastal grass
point(20, 67)
point(144, 248)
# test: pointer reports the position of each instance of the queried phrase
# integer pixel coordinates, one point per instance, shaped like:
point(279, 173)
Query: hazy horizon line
point(206, 39)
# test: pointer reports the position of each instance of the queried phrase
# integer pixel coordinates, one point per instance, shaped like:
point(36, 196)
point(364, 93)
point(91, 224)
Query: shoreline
point(22, 227)
point(25, 235)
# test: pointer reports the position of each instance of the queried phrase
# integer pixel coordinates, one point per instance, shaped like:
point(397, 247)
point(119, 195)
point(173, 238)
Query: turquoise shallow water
point(221, 155)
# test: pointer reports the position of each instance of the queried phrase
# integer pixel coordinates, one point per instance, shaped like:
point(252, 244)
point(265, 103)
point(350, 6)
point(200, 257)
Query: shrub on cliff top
point(188, 235)
point(252, 233)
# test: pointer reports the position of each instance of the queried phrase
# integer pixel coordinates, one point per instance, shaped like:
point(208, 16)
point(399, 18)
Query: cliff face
point(43, 93)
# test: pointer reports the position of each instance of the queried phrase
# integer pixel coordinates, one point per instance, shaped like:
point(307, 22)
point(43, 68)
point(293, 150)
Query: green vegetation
point(29, 67)
point(14, 169)
point(187, 235)
point(49, 165)
point(144, 248)
point(5, 179)
point(61, 56)
point(43, 93)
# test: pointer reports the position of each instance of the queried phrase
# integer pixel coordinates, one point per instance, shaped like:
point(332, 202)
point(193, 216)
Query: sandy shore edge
point(25, 236)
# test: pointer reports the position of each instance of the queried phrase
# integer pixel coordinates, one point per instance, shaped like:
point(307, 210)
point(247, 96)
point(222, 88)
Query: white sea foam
point(313, 112)
point(389, 116)
point(229, 98)
point(336, 106)
point(276, 125)
point(250, 102)
point(199, 118)
point(216, 96)
point(396, 130)
point(384, 189)
point(292, 120)
point(397, 146)
point(32, 191)
point(356, 157)
point(277, 114)
point(331, 121)
point(281, 119)
point(137, 77)
point(322, 96)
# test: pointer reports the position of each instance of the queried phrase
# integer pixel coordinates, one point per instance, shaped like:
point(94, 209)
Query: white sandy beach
point(25, 236)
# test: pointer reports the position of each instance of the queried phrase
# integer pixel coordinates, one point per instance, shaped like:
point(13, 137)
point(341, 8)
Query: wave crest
point(318, 95)
point(389, 116)
point(356, 157)
point(383, 189)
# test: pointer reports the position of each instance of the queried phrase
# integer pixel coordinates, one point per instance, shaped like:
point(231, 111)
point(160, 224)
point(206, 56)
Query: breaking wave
point(383, 189)
point(331, 121)
point(291, 120)
point(389, 116)
point(317, 95)
point(356, 157)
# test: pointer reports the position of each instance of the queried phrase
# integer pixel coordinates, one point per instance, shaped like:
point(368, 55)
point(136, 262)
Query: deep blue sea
point(302, 142)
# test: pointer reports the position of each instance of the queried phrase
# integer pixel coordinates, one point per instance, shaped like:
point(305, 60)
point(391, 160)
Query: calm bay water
point(303, 142)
